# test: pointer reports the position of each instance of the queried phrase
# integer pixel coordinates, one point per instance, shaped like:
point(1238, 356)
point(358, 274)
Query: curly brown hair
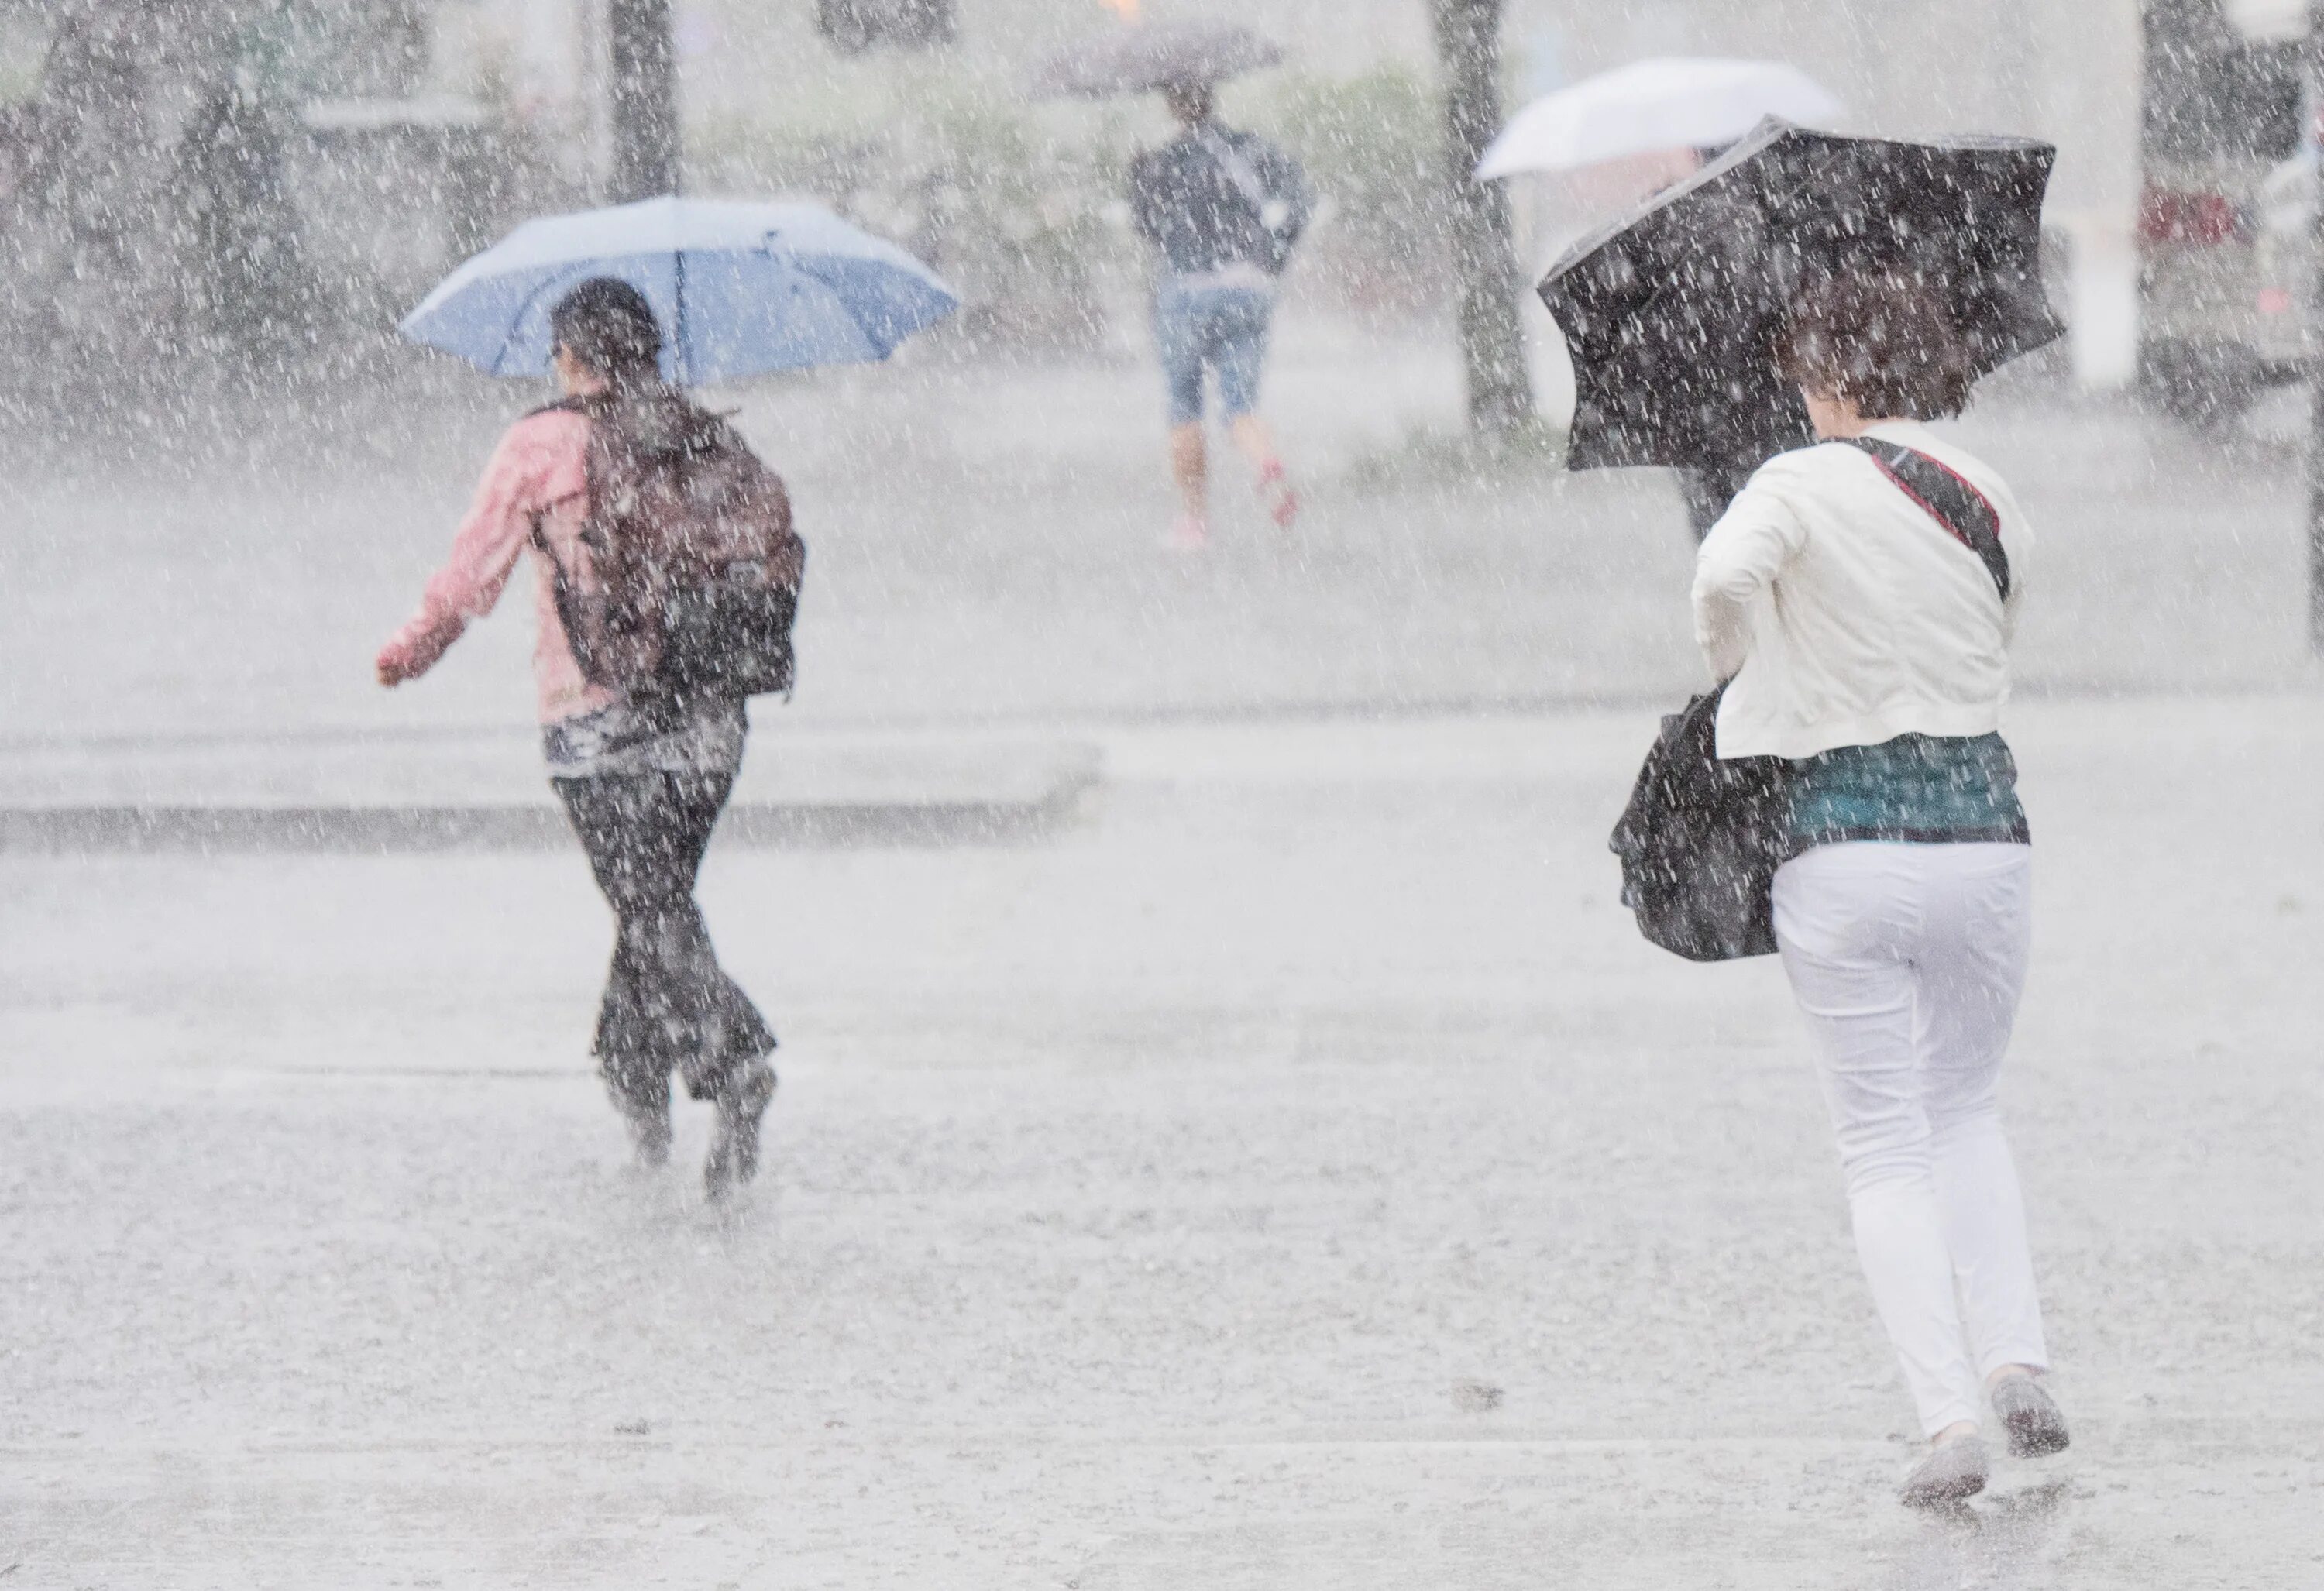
point(1880, 341)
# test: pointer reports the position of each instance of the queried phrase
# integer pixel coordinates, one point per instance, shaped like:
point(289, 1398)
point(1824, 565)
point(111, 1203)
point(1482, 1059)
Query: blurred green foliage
point(1373, 147)
point(1011, 205)
point(301, 49)
point(1022, 205)
point(22, 48)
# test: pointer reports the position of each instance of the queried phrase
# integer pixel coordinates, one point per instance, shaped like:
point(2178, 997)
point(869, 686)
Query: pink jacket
point(537, 475)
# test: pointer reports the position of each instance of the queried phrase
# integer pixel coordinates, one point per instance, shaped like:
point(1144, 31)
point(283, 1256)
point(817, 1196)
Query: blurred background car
point(2227, 208)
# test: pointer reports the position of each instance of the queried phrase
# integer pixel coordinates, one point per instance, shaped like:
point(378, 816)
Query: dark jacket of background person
point(1186, 205)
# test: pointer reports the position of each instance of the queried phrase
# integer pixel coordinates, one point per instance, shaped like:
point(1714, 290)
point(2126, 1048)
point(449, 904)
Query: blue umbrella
point(741, 288)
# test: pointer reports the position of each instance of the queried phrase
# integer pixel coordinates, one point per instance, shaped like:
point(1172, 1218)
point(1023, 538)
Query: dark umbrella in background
point(1672, 313)
point(1150, 56)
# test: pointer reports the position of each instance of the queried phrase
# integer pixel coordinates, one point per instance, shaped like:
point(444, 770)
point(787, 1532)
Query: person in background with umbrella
point(643, 788)
point(1641, 127)
point(1864, 639)
point(1222, 211)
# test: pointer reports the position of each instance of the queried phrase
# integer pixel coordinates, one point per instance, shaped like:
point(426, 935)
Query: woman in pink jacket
point(642, 785)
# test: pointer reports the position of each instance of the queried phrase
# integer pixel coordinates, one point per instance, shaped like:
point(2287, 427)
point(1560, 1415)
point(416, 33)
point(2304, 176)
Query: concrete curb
point(331, 795)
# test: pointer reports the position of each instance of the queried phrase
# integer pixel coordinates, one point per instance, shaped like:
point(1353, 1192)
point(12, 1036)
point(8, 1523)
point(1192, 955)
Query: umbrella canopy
point(1672, 313)
point(741, 288)
point(1671, 102)
point(1153, 55)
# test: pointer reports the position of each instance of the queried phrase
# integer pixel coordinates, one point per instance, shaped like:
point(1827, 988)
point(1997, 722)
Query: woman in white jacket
point(1866, 642)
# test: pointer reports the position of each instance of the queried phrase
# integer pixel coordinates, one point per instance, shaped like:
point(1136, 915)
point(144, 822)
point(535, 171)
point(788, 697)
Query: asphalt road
point(1298, 1175)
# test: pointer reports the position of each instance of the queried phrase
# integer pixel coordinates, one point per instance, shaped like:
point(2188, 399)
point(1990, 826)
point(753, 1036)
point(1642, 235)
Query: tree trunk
point(2315, 362)
point(644, 72)
point(1492, 341)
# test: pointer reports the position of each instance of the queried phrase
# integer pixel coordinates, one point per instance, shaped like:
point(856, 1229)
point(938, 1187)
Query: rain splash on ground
point(1296, 1172)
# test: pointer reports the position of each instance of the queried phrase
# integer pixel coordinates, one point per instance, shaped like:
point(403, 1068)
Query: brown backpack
point(698, 569)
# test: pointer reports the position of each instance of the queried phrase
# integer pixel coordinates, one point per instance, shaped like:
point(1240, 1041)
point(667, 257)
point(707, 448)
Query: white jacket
point(1845, 614)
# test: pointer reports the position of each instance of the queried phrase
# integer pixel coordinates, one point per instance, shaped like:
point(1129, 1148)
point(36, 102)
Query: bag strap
point(587, 404)
point(564, 596)
point(541, 542)
point(1237, 169)
point(1946, 496)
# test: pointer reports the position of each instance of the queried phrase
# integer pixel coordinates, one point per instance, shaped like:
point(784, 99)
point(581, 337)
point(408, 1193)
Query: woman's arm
point(498, 524)
point(1739, 558)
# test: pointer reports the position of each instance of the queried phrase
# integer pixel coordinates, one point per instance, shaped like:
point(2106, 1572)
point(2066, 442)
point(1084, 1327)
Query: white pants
point(1907, 961)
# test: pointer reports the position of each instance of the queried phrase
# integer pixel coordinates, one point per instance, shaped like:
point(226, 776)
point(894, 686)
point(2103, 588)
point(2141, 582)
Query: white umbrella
point(1670, 102)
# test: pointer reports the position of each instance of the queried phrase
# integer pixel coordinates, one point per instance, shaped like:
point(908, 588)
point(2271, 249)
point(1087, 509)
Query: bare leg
point(1189, 467)
point(1255, 440)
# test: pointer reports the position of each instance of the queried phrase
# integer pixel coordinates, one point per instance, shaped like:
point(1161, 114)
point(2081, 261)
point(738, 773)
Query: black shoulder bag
point(1702, 836)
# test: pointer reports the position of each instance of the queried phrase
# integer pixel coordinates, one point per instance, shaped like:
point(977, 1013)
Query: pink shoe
point(1188, 534)
point(1283, 503)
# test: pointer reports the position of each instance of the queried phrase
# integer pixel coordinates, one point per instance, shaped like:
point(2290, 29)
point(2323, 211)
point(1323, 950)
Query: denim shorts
point(1222, 328)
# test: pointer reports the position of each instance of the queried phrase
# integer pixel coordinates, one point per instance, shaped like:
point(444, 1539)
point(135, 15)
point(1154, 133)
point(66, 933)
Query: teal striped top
point(1918, 789)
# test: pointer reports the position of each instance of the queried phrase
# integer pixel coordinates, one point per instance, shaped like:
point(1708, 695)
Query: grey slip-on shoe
point(2036, 1429)
point(1953, 1473)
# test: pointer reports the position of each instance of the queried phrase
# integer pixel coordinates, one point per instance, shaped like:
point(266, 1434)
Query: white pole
point(2090, 81)
point(2102, 300)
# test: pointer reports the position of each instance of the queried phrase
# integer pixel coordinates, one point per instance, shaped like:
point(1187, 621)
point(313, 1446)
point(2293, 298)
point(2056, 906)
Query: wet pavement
point(1289, 1168)
point(984, 548)
point(1297, 1172)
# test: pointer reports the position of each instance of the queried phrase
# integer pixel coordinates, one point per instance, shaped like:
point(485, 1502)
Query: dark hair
point(607, 324)
point(1880, 341)
point(1190, 102)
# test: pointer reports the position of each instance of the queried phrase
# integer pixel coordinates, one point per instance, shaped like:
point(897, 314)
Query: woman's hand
point(393, 665)
point(407, 657)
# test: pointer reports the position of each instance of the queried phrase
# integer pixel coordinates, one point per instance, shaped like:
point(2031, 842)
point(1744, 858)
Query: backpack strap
point(1237, 169)
point(588, 406)
point(1244, 178)
point(1946, 496)
point(564, 596)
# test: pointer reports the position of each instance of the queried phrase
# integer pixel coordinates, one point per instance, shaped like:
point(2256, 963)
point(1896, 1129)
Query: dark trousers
point(669, 1005)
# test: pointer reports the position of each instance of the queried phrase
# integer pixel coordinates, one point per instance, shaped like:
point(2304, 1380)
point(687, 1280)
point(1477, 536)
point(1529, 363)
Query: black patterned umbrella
point(1672, 313)
point(1154, 55)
